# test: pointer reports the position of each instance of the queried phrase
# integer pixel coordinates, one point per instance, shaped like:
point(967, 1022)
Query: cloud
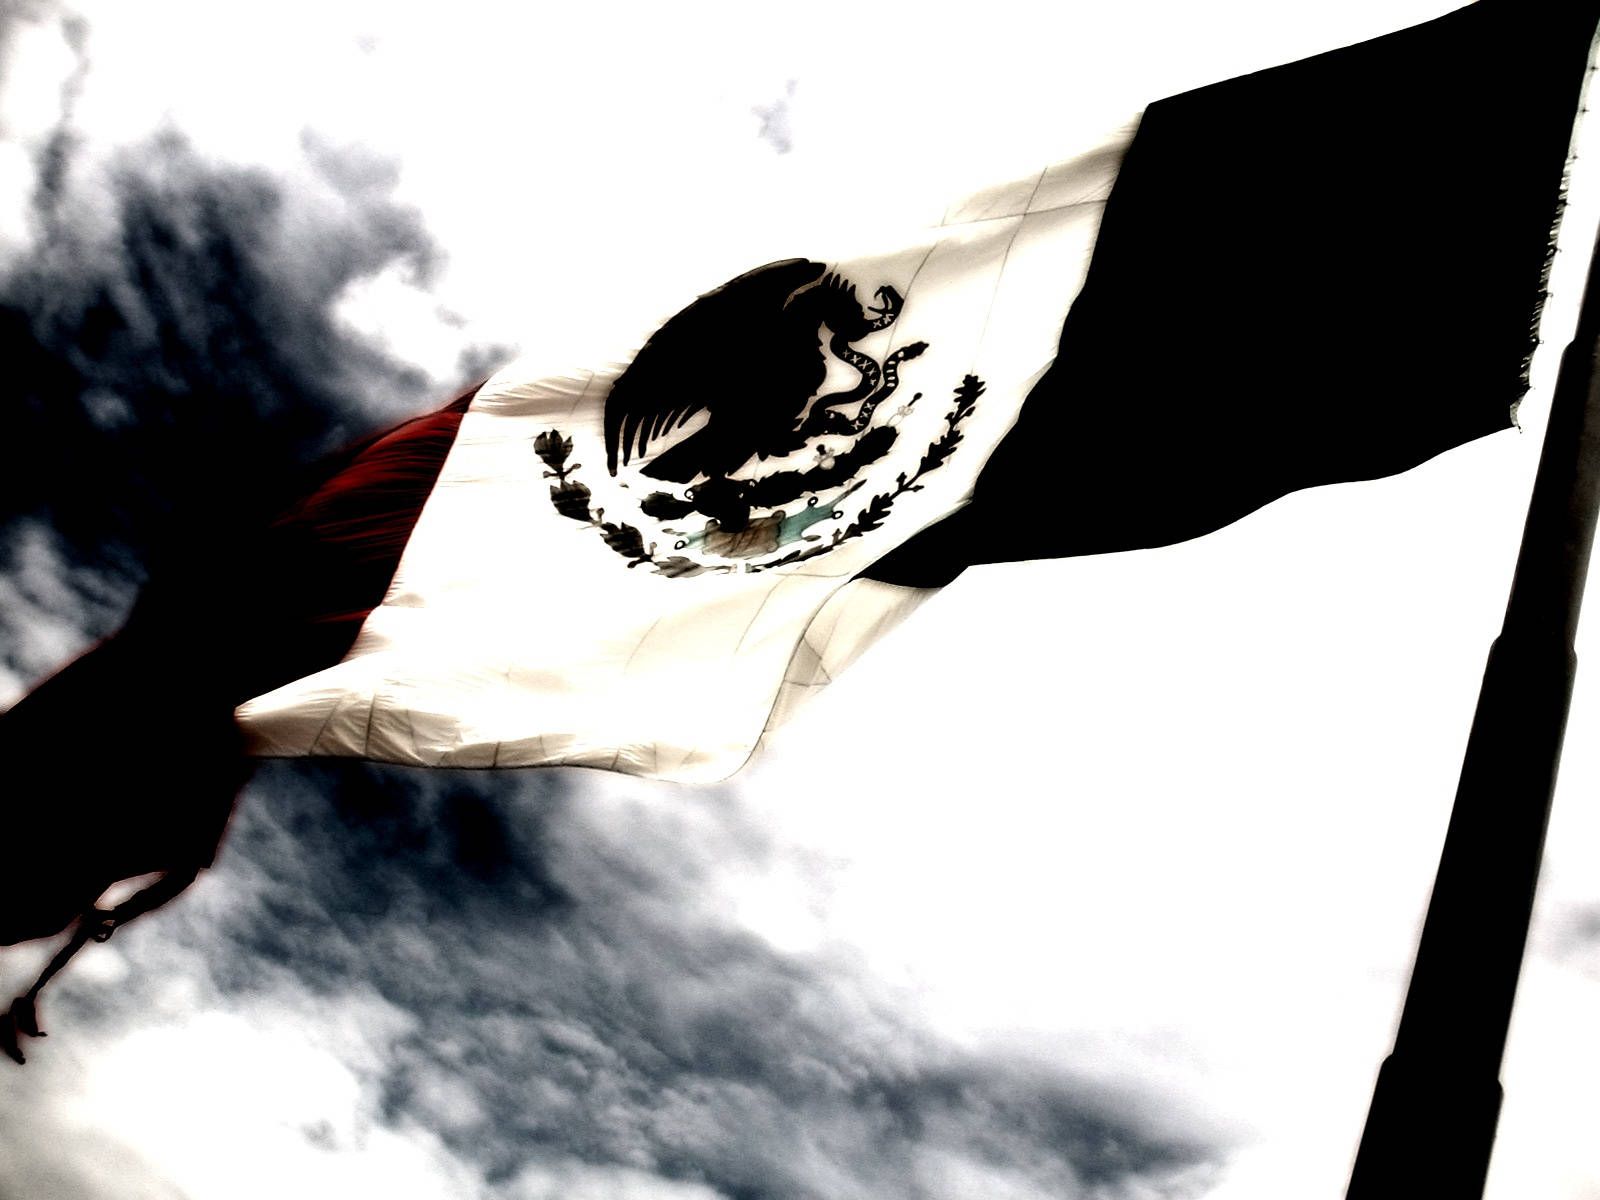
point(177, 353)
point(49, 606)
point(775, 129)
point(535, 986)
point(44, 64)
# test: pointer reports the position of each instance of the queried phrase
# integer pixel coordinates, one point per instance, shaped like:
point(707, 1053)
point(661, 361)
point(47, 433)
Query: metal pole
point(1431, 1126)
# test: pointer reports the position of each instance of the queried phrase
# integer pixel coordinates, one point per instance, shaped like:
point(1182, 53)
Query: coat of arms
point(734, 382)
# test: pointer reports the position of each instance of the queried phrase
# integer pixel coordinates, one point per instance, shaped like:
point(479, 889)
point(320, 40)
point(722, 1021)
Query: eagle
point(750, 356)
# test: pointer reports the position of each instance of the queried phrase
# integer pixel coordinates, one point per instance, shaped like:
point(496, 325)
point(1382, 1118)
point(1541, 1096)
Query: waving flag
point(632, 566)
point(1327, 271)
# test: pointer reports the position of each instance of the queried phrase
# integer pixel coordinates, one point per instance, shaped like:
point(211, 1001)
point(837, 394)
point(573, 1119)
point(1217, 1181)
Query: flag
point(1327, 271)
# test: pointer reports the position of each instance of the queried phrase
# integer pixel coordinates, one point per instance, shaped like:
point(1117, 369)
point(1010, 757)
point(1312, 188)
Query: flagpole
point(1431, 1125)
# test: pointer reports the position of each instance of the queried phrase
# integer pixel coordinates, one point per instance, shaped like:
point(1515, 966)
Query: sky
point(1100, 878)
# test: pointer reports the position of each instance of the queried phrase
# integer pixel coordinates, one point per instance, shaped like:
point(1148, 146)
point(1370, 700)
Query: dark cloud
point(572, 999)
point(174, 357)
point(48, 604)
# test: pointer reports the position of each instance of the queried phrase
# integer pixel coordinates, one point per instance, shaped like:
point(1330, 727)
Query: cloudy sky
point(1099, 879)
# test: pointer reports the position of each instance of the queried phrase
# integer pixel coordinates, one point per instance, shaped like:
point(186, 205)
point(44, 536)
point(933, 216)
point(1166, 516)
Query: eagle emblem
point(744, 368)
